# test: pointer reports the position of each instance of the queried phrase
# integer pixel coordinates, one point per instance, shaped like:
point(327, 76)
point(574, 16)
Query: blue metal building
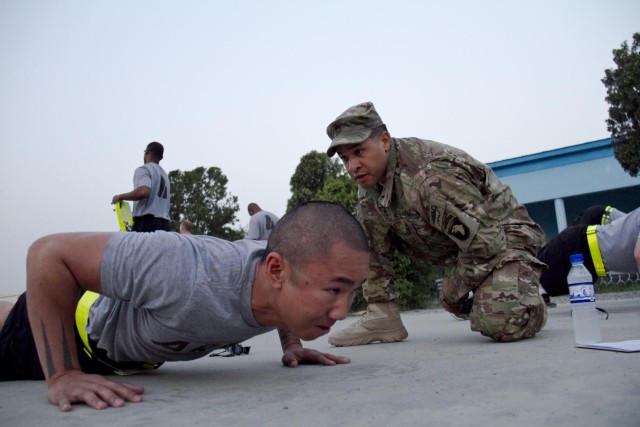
point(557, 185)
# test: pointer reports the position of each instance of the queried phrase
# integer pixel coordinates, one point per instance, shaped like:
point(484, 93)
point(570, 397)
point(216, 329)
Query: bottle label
point(582, 292)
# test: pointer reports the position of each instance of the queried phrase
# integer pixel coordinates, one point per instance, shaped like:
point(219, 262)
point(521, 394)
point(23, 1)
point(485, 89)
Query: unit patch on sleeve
point(455, 223)
point(458, 229)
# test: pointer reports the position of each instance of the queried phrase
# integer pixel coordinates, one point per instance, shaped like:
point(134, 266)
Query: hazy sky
point(250, 86)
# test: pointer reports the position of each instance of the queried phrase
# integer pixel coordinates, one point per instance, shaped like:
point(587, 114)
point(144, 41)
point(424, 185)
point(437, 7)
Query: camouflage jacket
point(441, 205)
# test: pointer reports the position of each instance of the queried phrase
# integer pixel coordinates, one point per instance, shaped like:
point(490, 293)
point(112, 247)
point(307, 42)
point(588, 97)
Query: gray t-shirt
point(157, 204)
point(617, 241)
point(261, 224)
point(170, 297)
point(615, 214)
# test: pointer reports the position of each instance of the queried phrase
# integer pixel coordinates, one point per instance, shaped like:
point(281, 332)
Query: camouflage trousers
point(507, 305)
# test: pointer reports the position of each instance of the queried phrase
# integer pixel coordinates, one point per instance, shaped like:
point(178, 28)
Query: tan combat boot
point(381, 323)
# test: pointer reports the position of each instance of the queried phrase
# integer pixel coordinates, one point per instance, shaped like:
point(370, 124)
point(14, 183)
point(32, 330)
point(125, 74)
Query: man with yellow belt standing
point(438, 204)
point(152, 193)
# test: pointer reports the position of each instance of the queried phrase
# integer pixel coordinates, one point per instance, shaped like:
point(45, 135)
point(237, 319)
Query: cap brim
point(352, 138)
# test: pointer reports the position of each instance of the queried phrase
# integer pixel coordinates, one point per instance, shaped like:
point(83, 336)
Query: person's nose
point(352, 166)
point(341, 308)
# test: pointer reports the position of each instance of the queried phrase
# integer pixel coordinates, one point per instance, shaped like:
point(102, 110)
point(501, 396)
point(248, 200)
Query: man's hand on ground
point(295, 356)
point(96, 391)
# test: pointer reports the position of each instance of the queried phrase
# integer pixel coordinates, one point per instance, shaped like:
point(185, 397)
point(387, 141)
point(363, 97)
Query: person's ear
point(385, 137)
point(275, 269)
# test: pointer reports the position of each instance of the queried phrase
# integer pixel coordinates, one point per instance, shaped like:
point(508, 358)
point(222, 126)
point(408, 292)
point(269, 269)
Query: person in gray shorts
point(149, 298)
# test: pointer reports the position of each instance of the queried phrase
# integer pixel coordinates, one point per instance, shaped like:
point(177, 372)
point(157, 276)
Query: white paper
point(629, 346)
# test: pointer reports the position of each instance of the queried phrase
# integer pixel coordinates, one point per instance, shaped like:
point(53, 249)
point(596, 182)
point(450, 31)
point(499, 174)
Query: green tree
point(417, 282)
point(310, 176)
point(623, 96)
point(340, 189)
point(200, 196)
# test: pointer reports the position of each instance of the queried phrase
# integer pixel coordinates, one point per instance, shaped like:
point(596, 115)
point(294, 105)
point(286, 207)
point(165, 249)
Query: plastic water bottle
point(583, 303)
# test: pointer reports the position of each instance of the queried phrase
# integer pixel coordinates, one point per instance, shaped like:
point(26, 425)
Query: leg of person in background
point(556, 252)
point(590, 216)
point(5, 308)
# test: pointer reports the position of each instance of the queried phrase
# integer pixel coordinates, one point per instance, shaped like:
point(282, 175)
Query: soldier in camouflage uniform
point(438, 204)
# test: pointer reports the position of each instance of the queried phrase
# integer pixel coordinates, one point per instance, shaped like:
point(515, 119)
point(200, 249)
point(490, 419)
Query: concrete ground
point(442, 375)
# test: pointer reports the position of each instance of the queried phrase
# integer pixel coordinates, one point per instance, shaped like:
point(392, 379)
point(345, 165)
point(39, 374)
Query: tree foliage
point(308, 180)
point(623, 96)
point(200, 196)
point(340, 189)
point(417, 282)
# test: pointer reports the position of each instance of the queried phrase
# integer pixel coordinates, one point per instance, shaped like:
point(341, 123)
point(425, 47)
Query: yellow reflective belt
point(82, 317)
point(594, 248)
point(606, 216)
point(124, 216)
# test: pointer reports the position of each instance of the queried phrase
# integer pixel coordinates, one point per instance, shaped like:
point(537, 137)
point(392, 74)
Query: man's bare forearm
point(67, 353)
point(134, 195)
point(51, 316)
point(58, 268)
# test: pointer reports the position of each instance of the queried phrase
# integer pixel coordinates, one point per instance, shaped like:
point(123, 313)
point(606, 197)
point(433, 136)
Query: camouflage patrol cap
point(353, 126)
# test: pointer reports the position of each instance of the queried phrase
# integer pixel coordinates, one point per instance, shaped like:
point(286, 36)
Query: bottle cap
point(576, 258)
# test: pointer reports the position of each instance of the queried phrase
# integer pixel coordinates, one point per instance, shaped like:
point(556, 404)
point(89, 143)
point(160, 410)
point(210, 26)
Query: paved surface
point(443, 375)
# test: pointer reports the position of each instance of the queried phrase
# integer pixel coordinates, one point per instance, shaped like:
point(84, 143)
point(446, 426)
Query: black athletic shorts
point(149, 223)
point(556, 254)
point(591, 216)
point(18, 354)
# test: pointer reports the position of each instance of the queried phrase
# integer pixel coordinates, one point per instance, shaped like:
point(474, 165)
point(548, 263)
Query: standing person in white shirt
point(261, 222)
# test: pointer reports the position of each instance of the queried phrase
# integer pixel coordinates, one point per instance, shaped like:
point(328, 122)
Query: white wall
point(570, 180)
